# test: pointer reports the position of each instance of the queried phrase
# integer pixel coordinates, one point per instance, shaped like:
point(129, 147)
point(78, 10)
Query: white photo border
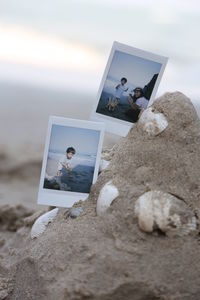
point(111, 123)
point(66, 198)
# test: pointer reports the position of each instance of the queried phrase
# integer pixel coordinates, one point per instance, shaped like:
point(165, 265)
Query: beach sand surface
point(109, 256)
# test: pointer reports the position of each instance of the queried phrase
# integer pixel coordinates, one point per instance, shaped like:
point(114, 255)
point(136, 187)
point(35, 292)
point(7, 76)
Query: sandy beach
point(137, 235)
point(110, 256)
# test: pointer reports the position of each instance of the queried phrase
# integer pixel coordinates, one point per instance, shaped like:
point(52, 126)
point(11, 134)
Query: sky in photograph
point(85, 141)
point(137, 70)
point(66, 43)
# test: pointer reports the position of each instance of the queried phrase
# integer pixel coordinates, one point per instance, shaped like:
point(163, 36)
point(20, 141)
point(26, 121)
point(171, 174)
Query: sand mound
point(109, 257)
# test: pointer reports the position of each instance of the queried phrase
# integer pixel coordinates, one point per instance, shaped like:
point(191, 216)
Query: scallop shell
point(159, 210)
point(107, 194)
point(152, 123)
point(103, 165)
point(41, 223)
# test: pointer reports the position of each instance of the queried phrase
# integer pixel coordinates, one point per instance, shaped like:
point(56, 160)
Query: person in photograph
point(119, 90)
point(137, 102)
point(64, 162)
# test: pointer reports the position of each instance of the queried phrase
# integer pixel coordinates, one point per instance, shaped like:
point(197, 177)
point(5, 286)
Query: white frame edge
point(111, 123)
point(67, 198)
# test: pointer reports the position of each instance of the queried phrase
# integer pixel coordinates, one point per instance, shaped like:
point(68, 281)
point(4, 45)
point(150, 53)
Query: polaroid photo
point(71, 161)
point(129, 84)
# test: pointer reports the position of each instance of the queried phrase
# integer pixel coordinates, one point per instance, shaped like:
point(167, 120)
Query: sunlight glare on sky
point(20, 45)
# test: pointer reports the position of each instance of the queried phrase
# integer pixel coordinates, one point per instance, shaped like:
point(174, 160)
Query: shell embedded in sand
point(75, 212)
point(41, 223)
point(152, 123)
point(107, 194)
point(103, 165)
point(159, 210)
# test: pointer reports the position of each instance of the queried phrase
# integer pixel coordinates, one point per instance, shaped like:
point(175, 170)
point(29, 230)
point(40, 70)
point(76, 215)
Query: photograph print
point(129, 83)
point(71, 158)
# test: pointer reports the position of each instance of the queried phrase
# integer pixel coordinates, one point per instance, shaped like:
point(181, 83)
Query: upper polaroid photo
point(71, 161)
point(129, 84)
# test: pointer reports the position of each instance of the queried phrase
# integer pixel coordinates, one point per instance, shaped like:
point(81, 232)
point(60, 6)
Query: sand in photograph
point(119, 112)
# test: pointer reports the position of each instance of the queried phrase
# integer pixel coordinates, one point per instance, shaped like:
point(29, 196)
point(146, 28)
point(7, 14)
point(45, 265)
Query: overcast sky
point(74, 38)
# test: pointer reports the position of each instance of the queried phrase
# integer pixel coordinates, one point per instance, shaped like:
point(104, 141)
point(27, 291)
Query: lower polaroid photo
point(71, 161)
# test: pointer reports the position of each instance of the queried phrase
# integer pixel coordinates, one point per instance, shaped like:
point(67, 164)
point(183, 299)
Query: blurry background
point(52, 58)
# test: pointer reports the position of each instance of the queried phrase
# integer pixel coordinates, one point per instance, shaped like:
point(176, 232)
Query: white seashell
point(158, 210)
point(41, 223)
point(152, 123)
point(103, 164)
point(107, 194)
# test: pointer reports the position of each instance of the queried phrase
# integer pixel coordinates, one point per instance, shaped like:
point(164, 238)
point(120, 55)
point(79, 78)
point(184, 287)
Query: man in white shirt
point(64, 161)
point(142, 102)
point(137, 103)
point(138, 98)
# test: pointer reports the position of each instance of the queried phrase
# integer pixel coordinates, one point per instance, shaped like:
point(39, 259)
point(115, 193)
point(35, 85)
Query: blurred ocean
point(78, 180)
point(77, 159)
point(24, 117)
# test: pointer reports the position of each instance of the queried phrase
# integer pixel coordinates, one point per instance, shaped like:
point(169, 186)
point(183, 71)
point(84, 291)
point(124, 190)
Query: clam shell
point(41, 223)
point(107, 194)
point(153, 123)
point(159, 210)
point(103, 165)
